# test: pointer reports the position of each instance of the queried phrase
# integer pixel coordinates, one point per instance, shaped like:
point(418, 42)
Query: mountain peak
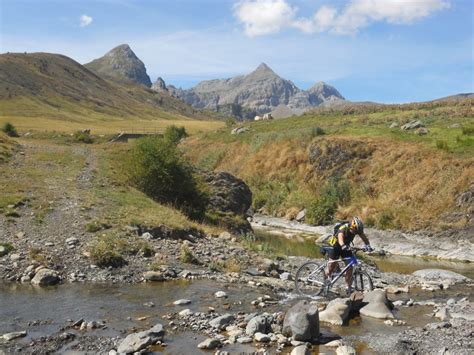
point(121, 63)
point(263, 67)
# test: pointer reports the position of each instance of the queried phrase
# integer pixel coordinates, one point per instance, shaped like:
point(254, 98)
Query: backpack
point(332, 240)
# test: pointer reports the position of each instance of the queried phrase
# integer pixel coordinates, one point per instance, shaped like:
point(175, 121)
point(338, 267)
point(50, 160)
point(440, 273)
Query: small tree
point(10, 130)
point(175, 134)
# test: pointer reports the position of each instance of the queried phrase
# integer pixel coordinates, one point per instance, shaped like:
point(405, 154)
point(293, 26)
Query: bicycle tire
point(361, 281)
point(315, 285)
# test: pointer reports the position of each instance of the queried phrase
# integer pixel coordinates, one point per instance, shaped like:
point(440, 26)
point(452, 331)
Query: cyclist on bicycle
point(344, 234)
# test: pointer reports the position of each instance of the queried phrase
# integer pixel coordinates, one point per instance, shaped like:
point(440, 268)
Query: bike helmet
point(356, 225)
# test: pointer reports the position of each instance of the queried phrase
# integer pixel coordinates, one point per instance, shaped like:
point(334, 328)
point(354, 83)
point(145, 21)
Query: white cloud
point(262, 17)
point(85, 20)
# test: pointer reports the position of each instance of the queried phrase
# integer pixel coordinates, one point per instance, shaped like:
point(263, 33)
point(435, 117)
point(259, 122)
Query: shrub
point(385, 220)
point(10, 130)
point(157, 167)
point(317, 131)
point(188, 257)
point(443, 145)
point(83, 137)
point(230, 122)
point(336, 192)
point(107, 251)
point(468, 131)
point(175, 134)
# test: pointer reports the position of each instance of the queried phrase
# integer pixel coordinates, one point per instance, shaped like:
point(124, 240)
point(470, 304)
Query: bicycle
point(316, 283)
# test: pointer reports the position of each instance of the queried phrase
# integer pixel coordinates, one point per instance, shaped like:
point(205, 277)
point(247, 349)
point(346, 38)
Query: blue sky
point(370, 50)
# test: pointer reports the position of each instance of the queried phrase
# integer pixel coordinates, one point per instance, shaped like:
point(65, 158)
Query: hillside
point(258, 92)
point(44, 86)
point(359, 156)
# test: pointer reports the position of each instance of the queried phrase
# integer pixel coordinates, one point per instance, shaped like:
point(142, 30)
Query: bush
point(10, 130)
point(107, 251)
point(468, 131)
point(317, 131)
point(443, 145)
point(83, 137)
point(175, 134)
point(336, 192)
point(188, 257)
point(230, 122)
point(385, 220)
point(157, 167)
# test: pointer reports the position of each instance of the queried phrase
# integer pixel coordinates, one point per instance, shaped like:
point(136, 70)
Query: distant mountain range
point(118, 85)
point(261, 91)
point(243, 96)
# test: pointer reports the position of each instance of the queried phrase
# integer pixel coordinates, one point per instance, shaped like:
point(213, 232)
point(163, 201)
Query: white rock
point(261, 338)
point(220, 294)
point(209, 343)
point(14, 335)
point(345, 350)
point(181, 302)
point(185, 313)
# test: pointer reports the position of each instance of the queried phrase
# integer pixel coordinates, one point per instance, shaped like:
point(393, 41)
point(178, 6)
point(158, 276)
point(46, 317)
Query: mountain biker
point(344, 234)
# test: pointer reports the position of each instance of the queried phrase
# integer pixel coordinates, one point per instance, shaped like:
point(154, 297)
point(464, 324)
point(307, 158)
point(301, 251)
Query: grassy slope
point(50, 172)
point(406, 181)
point(49, 90)
point(7, 145)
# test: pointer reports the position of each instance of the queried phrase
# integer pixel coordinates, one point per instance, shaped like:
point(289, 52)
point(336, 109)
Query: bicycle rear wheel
point(361, 281)
point(309, 280)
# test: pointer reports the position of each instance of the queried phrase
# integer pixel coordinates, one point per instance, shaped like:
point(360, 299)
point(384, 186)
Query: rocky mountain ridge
point(258, 92)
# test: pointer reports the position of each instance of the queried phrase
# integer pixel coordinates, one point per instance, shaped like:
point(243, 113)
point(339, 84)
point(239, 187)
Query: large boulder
point(258, 324)
point(229, 200)
point(45, 277)
point(378, 305)
point(222, 321)
point(139, 341)
point(337, 312)
point(302, 322)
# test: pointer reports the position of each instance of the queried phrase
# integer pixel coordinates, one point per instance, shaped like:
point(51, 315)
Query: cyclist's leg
point(333, 255)
point(350, 271)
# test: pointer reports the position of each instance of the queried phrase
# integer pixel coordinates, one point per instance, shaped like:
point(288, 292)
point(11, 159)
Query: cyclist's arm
point(364, 238)
point(340, 239)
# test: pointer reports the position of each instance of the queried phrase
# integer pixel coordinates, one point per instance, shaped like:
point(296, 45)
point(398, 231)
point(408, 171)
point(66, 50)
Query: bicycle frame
point(352, 262)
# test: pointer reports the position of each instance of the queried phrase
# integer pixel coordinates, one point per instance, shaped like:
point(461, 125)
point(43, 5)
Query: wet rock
point(302, 322)
point(261, 338)
point(221, 321)
point(154, 276)
point(220, 294)
point(14, 335)
point(45, 277)
point(209, 344)
point(3, 251)
point(139, 341)
point(439, 275)
point(258, 324)
point(301, 350)
point(394, 322)
point(334, 343)
point(345, 350)
point(442, 314)
point(244, 340)
point(337, 312)
point(378, 305)
point(181, 302)
point(185, 313)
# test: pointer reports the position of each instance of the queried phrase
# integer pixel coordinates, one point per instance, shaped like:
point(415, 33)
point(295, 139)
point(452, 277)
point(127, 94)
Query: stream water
point(44, 311)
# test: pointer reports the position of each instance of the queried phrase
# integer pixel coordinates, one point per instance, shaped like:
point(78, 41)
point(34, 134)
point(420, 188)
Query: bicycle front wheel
point(309, 280)
point(361, 281)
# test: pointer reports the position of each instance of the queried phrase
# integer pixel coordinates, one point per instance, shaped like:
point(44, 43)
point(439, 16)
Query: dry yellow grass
point(44, 124)
point(410, 183)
